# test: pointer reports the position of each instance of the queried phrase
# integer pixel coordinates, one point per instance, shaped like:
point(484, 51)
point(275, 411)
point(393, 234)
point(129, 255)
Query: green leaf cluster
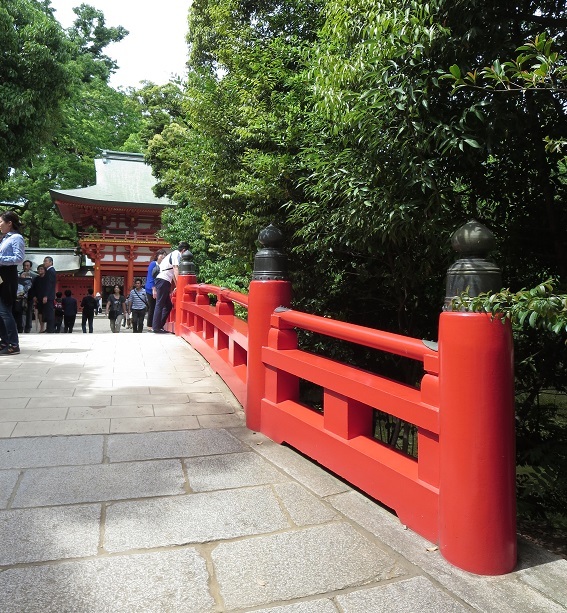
point(539, 307)
point(88, 116)
point(35, 76)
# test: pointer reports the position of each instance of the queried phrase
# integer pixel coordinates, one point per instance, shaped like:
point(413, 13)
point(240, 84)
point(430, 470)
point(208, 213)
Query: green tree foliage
point(232, 154)
point(34, 77)
point(330, 118)
point(90, 36)
point(92, 117)
point(187, 224)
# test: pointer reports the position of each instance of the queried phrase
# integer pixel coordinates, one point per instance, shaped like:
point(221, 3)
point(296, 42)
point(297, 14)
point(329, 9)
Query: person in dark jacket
point(58, 311)
point(36, 294)
point(27, 276)
point(49, 298)
point(69, 311)
point(89, 304)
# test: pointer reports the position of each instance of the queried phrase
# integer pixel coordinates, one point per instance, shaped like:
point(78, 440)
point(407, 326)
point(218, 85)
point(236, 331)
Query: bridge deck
point(129, 483)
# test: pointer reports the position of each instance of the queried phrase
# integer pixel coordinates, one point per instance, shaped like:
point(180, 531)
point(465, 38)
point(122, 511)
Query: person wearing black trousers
point(89, 304)
point(49, 297)
point(69, 311)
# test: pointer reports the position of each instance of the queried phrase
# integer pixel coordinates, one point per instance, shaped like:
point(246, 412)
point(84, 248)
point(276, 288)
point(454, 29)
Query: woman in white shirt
point(12, 254)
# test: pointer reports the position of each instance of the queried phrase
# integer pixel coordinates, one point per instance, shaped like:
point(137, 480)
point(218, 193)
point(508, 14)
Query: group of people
point(27, 294)
point(36, 297)
point(153, 299)
point(13, 286)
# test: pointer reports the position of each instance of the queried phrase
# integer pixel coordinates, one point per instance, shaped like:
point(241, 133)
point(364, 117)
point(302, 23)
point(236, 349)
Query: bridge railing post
point(477, 492)
point(269, 289)
point(186, 277)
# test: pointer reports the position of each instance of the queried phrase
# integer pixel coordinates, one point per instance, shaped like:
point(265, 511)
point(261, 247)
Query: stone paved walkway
point(129, 483)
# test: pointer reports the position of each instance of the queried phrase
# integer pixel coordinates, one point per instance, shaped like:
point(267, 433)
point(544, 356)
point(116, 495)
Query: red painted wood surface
point(459, 492)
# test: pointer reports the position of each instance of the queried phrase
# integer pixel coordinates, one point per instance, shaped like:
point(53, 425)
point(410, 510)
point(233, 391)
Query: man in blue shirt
point(12, 254)
point(151, 283)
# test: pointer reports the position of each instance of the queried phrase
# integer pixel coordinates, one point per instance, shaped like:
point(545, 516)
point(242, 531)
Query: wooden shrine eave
point(99, 238)
point(80, 210)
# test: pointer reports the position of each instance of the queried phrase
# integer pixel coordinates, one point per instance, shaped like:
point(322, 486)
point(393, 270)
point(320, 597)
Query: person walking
point(58, 312)
point(89, 304)
point(36, 294)
point(116, 309)
point(166, 279)
point(150, 285)
point(69, 311)
point(12, 254)
point(27, 276)
point(137, 305)
point(49, 298)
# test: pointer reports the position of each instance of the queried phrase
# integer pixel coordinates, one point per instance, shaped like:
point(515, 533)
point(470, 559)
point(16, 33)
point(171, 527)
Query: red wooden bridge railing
point(460, 491)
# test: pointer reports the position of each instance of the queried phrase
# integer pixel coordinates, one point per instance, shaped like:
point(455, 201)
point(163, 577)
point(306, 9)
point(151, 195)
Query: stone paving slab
point(153, 424)
point(67, 427)
point(304, 508)
point(54, 400)
point(419, 595)
point(220, 421)
point(8, 480)
point(36, 535)
point(110, 412)
point(53, 413)
point(193, 408)
point(6, 428)
point(228, 471)
point(505, 593)
point(182, 444)
point(196, 518)
point(17, 389)
point(164, 582)
point(14, 403)
point(310, 475)
point(550, 575)
point(310, 606)
point(118, 390)
point(118, 400)
point(57, 451)
point(258, 571)
point(99, 482)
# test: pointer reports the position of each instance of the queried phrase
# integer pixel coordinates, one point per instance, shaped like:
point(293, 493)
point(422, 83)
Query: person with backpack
point(153, 271)
point(165, 280)
point(58, 312)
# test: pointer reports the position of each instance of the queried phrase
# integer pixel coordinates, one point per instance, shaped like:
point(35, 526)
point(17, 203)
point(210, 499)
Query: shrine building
point(117, 219)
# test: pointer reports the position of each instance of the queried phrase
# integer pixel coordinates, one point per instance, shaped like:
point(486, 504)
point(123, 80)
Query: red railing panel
point(459, 397)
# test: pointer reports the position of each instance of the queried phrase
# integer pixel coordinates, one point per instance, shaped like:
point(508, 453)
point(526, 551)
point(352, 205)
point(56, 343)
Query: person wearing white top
point(12, 254)
point(166, 279)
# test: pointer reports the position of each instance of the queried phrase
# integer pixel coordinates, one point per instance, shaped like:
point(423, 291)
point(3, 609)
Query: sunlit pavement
point(128, 482)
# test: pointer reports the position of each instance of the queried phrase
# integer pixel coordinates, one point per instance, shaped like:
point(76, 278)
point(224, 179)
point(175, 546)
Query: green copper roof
point(121, 178)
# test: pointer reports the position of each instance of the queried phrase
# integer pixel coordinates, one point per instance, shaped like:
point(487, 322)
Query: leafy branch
point(537, 66)
point(538, 308)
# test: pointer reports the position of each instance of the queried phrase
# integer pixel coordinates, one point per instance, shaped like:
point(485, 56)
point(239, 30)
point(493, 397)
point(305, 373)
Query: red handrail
point(376, 339)
point(460, 490)
point(220, 292)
